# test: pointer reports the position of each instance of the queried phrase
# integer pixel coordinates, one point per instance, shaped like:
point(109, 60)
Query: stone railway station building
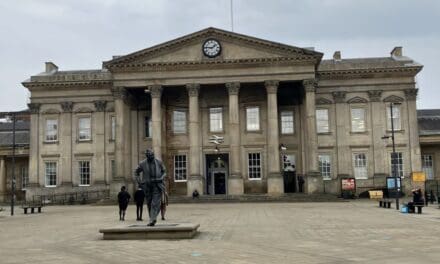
point(277, 108)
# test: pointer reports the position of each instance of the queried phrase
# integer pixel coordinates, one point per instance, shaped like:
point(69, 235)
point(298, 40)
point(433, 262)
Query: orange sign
point(418, 176)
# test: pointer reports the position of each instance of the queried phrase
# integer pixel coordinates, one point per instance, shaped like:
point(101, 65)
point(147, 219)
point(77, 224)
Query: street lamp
point(394, 156)
point(10, 117)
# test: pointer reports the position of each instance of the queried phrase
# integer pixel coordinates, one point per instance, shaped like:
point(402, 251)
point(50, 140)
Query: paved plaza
point(342, 232)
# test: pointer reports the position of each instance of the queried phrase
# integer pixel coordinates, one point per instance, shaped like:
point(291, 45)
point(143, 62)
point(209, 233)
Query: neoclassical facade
point(228, 114)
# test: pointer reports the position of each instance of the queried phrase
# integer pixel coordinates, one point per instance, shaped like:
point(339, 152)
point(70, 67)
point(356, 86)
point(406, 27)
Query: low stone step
point(159, 231)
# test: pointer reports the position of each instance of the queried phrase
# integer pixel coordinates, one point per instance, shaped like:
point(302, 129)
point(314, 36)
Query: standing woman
point(163, 204)
point(123, 199)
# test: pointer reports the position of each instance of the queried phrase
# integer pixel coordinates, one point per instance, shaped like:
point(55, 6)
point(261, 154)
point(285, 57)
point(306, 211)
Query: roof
point(19, 125)
point(429, 122)
point(21, 133)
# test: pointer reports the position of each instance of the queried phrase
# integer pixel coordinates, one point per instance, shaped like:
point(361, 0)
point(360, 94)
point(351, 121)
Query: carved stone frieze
point(310, 85)
point(233, 88)
point(67, 106)
point(193, 89)
point(34, 108)
point(339, 97)
point(100, 105)
point(271, 86)
point(411, 94)
point(375, 95)
point(155, 90)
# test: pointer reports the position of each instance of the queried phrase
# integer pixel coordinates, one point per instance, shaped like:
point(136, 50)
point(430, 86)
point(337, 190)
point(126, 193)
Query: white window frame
point(55, 163)
point(80, 172)
point(397, 115)
point(325, 169)
point(360, 172)
point(358, 126)
point(428, 166)
point(287, 122)
point(216, 119)
point(88, 130)
point(181, 169)
point(24, 172)
point(256, 166)
point(319, 128)
point(175, 127)
point(253, 127)
point(49, 137)
point(400, 164)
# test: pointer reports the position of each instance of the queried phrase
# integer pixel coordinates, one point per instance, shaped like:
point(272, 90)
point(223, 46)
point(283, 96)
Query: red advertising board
point(348, 184)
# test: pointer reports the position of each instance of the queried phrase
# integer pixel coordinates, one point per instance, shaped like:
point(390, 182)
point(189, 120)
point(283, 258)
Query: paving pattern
point(351, 232)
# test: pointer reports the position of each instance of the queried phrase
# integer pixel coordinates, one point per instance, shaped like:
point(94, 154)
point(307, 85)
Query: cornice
point(368, 73)
point(66, 84)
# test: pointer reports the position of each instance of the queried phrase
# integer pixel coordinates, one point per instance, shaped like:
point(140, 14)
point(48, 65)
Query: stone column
point(275, 183)
point(34, 179)
point(2, 179)
point(378, 129)
point(66, 142)
point(98, 171)
point(156, 119)
point(414, 144)
point(342, 135)
point(313, 178)
point(120, 95)
point(195, 178)
point(235, 180)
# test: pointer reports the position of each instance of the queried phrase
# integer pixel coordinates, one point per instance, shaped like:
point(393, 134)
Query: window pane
point(358, 119)
point(360, 166)
point(84, 128)
point(325, 166)
point(180, 168)
point(51, 130)
point(179, 122)
point(427, 165)
point(397, 164)
point(287, 122)
point(254, 167)
point(51, 173)
point(24, 177)
point(84, 172)
point(216, 119)
point(252, 118)
point(322, 125)
point(396, 117)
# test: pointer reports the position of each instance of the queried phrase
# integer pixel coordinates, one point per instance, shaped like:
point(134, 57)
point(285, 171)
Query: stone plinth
point(160, 231)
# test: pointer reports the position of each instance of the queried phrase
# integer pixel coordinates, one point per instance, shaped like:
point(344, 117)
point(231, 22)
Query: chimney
point(337, 56)
point(51, 67)
point(396, 52)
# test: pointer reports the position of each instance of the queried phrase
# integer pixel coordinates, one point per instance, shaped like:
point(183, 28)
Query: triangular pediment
point(393, 99)
point(323, 101)
point(234, 48)
point(357, 100)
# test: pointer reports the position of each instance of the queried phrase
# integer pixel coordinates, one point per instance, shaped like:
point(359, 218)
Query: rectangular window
point(360, 166)
point(325, 166)
point(254, 166)
point(84, 172)
point(179, 122)
point(113, 168)
point(51, 173)
point(287, 126)
point(428, 166)
point(113, 123)
point(180, 168)
point(358, 119)
point(24, 177)
point(84, 128)
point(322, 125)
point(397, 164)
point(253, 118)
point(289, 162)
point(216, 119)
point(51, 130)
point(397, 122)
point(147, 127)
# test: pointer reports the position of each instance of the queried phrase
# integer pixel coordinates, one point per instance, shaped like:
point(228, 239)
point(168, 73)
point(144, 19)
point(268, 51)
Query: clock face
point(211, 48)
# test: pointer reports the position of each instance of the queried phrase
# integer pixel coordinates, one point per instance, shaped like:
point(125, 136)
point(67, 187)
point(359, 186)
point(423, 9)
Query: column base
point(314, 182)
point(235, 185)
point(275, 184)
point(194, 183)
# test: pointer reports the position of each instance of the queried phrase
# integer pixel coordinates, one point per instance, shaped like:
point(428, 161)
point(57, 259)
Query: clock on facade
point(211, 48)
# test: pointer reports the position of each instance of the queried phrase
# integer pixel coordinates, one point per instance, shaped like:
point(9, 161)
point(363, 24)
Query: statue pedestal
point(142, 231)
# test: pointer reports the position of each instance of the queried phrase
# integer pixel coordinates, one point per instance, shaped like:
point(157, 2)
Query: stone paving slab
point(142, 231)
point(353, 232)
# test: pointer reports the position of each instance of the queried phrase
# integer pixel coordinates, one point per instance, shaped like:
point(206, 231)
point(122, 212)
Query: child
point(163, 204)
point(139, 198)
point(123, 199)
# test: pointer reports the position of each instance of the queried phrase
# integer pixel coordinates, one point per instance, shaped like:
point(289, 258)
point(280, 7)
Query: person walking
point(139, 198)
point(163, 204)
point(123, 200)
point(152, 182)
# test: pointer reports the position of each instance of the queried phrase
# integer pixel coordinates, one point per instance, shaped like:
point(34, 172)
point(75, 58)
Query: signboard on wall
point(419, 176)
point(348, 184)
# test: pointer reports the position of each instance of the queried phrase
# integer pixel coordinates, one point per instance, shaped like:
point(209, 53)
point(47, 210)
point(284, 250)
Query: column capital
point(193, 89)
point(271, 86)
point(67, 106)
point(339, 96)
point(100, 105)
point(310, 85)
point(375, 95)
point(155, 90)
point(119, 92)
point(411, 94)
point(34, 108)
point(233, 88)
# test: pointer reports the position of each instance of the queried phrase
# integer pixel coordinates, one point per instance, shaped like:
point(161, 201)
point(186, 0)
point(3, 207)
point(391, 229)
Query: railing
point(71, 197)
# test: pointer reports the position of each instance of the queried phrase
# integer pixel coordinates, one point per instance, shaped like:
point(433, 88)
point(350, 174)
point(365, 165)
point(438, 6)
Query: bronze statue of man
point(152, 182)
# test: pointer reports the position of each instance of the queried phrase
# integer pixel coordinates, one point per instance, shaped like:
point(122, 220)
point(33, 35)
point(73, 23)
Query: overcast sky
point(77, 34)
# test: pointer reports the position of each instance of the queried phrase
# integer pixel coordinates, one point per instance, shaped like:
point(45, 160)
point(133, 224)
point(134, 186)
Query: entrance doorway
point(289, 173)
point(216, 173)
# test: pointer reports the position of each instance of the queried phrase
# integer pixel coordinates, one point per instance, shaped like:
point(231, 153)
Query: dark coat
point(139, 196)
point(123, 199)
